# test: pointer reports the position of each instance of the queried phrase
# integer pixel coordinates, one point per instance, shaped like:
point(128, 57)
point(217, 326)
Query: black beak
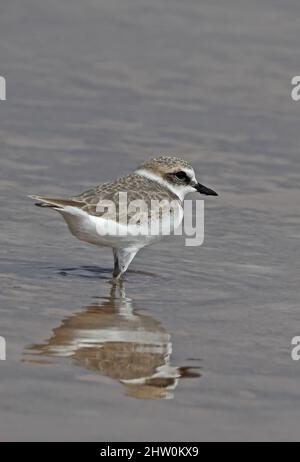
point(204, 190)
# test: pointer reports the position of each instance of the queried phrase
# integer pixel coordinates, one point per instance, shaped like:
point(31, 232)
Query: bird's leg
point(117, 270)
point(122, 259)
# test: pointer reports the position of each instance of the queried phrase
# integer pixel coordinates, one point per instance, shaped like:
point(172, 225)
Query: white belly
point(103, 232)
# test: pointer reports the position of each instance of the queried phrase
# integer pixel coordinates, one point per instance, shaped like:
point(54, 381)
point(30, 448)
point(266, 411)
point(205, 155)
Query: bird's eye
point(180, 175)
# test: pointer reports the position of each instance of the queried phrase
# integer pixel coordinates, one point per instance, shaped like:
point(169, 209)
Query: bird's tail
point(55, 203)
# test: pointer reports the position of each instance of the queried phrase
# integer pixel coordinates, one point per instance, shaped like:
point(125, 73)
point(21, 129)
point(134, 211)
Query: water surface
point(93, 89)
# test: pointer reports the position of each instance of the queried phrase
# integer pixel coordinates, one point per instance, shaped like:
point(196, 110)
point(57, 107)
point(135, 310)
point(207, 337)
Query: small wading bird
point(163, 178)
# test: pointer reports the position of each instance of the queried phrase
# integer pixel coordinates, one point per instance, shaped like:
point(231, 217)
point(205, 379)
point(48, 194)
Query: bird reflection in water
point(120, 343)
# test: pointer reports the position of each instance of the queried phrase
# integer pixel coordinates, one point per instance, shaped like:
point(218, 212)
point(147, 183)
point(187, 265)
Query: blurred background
point(93, 89)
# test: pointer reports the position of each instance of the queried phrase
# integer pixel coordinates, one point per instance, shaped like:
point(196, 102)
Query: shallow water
point(196, 345)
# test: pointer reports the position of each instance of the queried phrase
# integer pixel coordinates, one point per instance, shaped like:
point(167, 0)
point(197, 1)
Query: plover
point(90, 218)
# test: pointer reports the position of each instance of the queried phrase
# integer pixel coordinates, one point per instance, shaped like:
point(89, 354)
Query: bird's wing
point(127, 199)
point(124, 200)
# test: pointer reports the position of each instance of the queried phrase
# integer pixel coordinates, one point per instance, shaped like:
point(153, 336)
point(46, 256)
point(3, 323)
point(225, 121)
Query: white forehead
point(190, 172)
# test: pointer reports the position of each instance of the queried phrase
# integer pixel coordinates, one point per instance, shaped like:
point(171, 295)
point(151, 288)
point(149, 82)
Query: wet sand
point(197, 346)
